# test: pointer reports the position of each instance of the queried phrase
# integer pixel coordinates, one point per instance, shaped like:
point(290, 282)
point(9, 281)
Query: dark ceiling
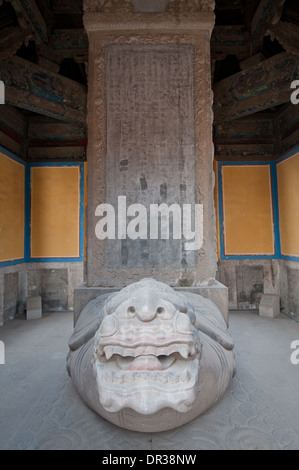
point(68, 15)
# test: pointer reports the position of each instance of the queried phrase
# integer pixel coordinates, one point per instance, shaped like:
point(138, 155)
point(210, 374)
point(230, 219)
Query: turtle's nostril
point(160, 310)
point(131, 310)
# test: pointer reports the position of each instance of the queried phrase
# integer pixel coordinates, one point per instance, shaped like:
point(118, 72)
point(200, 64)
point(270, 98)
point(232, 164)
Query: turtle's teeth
point(184, 350)
point(148, 376)
point(108, 353)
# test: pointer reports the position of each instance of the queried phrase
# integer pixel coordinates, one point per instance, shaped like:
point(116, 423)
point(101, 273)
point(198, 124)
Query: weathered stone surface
point(149, 5)
point(12, 292)
point(250, 281)
point(218, 293)
point(154, 155)
point(54, 282)
point(51, 285)
point(83, 295)
point(269, 306)
point(293, 290)
point(124, 6)
point(34, 308)
point(247, 281)
point(128, 6)
point(149, 351)
point(11, 295)
point(150, 144)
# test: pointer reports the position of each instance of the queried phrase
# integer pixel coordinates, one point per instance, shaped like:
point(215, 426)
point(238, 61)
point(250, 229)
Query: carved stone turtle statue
point(149, 358)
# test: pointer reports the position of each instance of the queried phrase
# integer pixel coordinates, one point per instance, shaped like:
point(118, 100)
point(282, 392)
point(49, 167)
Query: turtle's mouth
point(145, 356)
point(184, 350)
point(132, 376)
point(146, 363)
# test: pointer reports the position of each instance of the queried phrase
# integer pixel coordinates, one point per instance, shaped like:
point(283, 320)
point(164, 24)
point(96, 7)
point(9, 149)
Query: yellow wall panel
point(12, 209)
point(288, 198)
point(55, 212)
point(248, 213)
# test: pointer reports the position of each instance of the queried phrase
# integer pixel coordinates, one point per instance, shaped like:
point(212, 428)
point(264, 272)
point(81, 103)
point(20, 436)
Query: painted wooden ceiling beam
point(268, 14)
point(229, 40)
point(287, 34)
point(29, 15)
point(11, 39)
point(32, 87)
point(257, 88)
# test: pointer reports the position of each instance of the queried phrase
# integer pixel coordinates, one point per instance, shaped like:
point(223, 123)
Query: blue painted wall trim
point(275, 209)
point(27, 212)
point(4, 264)
point(276, 220)
point(290, 258)
point(221, 211)
point(28, 166)
point(81, 217)
point(12, 156)
point(250, 257)
point(18, 160)
point(287, 155)
point(27, 258)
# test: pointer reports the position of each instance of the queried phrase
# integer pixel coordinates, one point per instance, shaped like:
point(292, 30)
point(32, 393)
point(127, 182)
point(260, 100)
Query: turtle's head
point(147, 350)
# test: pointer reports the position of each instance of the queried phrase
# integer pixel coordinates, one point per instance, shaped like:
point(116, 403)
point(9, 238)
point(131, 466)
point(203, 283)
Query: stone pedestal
point(34, 308)
point(218, 293)
point(269, 306)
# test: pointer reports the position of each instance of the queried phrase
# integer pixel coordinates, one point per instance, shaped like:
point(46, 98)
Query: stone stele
point(150, 123)
point(148, 358)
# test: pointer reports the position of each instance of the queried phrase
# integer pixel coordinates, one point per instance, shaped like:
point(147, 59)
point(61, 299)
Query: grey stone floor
point(39, 408)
